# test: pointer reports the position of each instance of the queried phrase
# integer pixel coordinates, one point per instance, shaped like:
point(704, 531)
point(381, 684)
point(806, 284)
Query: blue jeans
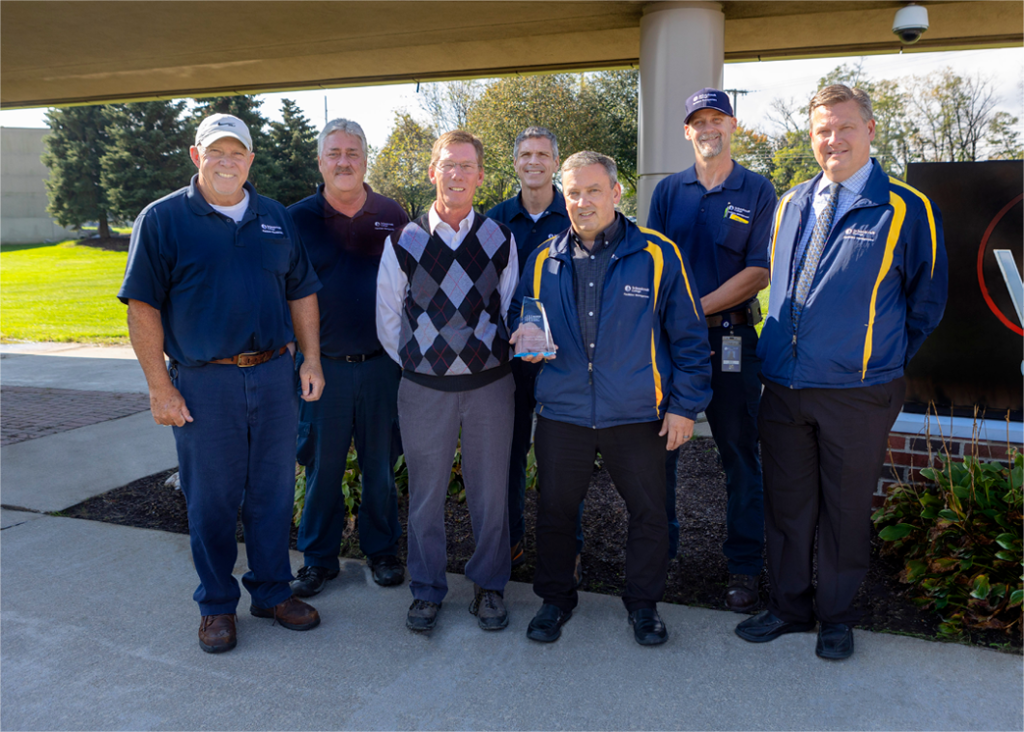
point(238, 452)
point(732, 417)
point(360, 401)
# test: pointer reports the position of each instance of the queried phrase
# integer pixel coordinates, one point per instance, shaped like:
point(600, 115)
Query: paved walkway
point(97, 631)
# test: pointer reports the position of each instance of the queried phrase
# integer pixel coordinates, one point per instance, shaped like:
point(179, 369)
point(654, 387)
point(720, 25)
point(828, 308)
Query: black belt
point(736, 317)
point(357, 358)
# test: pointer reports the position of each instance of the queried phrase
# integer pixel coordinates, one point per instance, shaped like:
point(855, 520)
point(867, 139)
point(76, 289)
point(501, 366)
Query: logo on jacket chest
point(637, 291)
point(857, 235)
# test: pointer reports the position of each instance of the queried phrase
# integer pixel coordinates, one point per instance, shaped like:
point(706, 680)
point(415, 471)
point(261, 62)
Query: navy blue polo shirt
point(722, 231)
point(530, 234)
point(221, 288)
point(345, 253)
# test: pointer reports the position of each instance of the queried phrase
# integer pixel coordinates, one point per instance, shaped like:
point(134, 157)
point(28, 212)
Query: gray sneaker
point(489, 608)
point(422, 616)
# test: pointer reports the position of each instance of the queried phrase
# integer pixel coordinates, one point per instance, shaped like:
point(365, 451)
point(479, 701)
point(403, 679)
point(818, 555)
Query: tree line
point(107, 162)
point(939, 117)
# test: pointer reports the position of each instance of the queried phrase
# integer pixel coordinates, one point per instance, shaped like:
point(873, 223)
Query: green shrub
point(959, 536)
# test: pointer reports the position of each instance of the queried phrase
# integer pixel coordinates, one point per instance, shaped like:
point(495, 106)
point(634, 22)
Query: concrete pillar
point(682, 49)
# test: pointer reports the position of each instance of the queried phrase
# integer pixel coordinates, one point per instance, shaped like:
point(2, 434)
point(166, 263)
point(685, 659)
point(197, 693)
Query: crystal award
point(534, 331)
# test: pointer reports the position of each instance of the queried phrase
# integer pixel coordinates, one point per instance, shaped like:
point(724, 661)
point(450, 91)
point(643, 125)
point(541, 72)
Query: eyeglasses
point(448, 167)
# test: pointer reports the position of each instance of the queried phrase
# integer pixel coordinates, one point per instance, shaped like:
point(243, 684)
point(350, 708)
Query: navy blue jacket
point(651, 353)
point(530, 234)
point(879, 290)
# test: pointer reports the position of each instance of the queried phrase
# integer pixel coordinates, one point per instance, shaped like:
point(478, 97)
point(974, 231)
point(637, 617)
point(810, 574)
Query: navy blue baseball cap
point(707, 98)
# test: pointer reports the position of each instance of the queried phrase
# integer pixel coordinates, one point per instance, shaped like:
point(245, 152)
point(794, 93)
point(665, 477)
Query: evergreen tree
point(294, 153)
point(146, 156)
point(247, 108)
point(74, 147)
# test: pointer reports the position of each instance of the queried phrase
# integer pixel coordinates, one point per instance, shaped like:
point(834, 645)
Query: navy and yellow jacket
point(879, 290)
point(651, 354)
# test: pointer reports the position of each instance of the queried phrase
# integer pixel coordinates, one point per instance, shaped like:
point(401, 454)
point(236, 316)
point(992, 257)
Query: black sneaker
point(387, 570)
point(311, 580)
point(546, 626)
point(422, 616)
point(489, 608)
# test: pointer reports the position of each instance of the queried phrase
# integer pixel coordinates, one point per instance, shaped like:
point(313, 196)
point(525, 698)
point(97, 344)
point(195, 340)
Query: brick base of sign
point(909, 454)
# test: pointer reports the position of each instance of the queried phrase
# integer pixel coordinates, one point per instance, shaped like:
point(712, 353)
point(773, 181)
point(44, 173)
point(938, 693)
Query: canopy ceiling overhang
point(81, 52)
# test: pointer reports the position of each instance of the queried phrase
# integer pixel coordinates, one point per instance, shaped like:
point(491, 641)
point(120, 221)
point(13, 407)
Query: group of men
point(291, 333)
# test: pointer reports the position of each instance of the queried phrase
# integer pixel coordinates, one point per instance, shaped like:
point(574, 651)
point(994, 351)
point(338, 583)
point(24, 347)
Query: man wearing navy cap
point(217, 279)
point(344, 226)
point(719, 214)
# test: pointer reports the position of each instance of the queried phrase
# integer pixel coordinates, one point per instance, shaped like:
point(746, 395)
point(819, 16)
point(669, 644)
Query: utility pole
point(325, 110)
point(734, 92)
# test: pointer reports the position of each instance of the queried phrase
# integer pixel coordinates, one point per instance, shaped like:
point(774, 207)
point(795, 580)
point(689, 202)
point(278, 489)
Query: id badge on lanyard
point(732, 351)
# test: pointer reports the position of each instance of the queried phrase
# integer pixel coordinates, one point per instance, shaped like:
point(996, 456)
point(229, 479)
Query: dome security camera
point(910, 23)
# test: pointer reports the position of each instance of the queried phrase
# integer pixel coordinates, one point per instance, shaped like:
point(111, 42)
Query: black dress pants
point(635, 457)
point(822, 452)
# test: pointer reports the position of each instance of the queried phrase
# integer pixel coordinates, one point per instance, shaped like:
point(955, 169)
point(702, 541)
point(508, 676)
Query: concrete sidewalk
point(57, 471)
point(99, 631)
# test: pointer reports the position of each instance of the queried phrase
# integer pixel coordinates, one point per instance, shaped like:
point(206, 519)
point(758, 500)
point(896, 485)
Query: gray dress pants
point(430, 421)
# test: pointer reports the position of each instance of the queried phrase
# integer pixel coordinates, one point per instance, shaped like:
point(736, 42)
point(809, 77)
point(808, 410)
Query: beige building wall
point(23, 217)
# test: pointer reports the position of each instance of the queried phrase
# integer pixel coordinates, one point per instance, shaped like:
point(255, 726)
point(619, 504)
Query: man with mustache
point(344, 226)
point(533, 215)
point(720, 215)
point(218, 279)
point(443, 291)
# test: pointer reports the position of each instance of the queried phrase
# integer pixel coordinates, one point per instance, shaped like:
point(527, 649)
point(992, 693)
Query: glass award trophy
point(534, 331)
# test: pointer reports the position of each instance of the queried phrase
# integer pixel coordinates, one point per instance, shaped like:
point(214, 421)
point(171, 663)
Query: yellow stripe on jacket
point(659, 265)
point(775, 231)
point(899, 213)
point(686, 279)
point(928, 210)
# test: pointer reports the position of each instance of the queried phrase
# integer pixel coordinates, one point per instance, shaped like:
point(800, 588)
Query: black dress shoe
point(546, 625)
point(835, 641)
point(741, 594)
point(311, 580)
point(766, 627)
point(387, 571)
point(647, 627)
point(422, 616)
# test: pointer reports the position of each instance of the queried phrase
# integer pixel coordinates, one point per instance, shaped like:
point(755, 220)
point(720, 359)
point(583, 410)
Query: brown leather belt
point(736, 317)
point(254, 358)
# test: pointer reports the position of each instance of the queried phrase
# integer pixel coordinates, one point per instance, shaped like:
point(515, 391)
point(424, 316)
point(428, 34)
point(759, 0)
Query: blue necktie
point(809, 263)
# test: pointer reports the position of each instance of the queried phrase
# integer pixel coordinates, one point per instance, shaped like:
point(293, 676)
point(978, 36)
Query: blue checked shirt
point(849, 191)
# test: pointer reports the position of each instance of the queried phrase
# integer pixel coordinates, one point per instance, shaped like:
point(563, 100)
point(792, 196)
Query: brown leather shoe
point(293, 614)
point(741, 595)
point(217, 633)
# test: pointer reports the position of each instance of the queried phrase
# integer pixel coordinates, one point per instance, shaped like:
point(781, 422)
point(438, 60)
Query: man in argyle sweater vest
point(443, 290)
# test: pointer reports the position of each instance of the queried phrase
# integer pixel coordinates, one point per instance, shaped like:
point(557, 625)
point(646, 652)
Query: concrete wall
point(23, 217)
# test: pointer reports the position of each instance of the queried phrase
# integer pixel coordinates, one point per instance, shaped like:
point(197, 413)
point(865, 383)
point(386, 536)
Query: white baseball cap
point(217, 126)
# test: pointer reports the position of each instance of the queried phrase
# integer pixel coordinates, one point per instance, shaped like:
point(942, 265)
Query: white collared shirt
point(393, 285)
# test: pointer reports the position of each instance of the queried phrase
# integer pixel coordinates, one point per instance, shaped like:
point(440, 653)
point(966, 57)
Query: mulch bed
point(698, 576)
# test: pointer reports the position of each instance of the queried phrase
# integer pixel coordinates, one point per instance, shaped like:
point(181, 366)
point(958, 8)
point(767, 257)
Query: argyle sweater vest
point(452, 324)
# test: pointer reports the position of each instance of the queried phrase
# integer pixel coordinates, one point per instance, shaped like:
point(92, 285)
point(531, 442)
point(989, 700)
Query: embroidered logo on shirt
point(383, 226)
point(637, 291)
point(736, 213)
point(865, 235)
point(272, 229)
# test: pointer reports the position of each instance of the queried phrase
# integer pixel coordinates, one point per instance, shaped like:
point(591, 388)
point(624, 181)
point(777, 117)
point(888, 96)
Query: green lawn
point(61, 292)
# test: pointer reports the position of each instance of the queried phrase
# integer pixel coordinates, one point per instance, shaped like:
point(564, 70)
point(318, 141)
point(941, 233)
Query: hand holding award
point(532, 338)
